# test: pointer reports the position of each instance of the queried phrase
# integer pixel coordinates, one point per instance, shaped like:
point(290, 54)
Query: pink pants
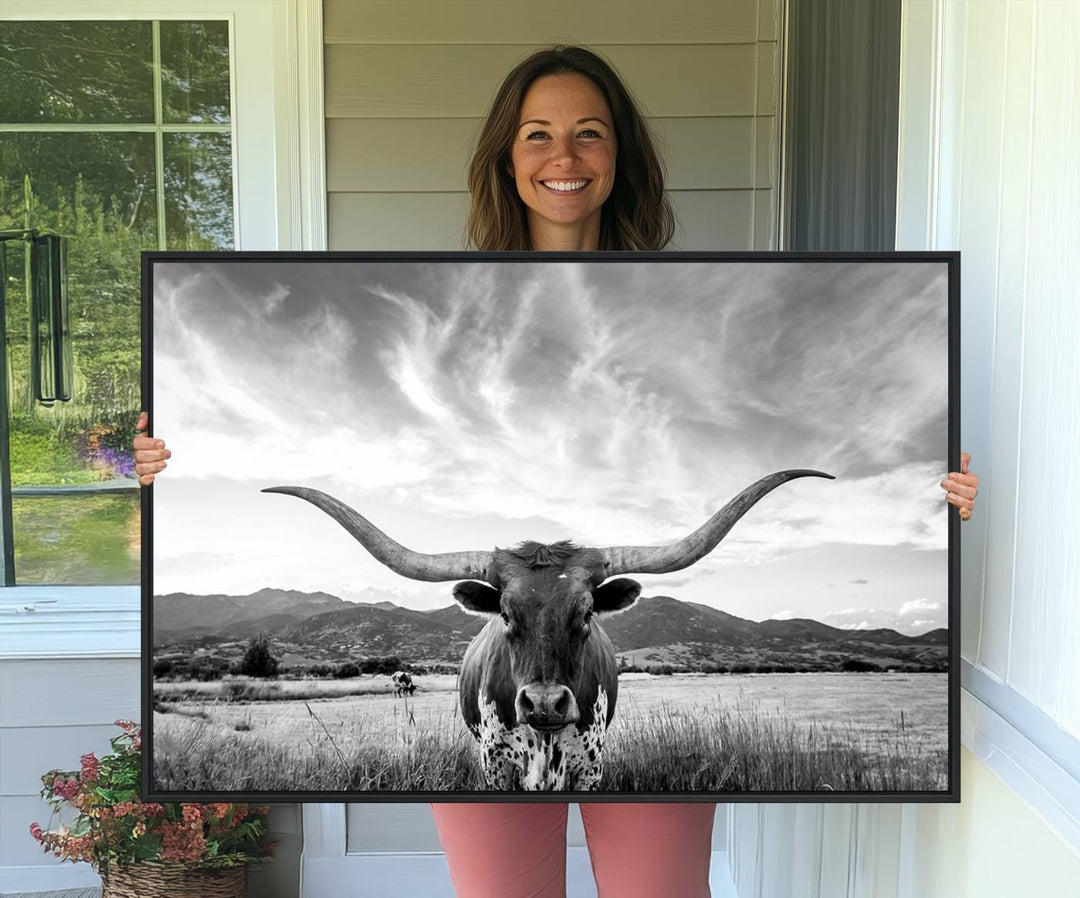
point(503, 850)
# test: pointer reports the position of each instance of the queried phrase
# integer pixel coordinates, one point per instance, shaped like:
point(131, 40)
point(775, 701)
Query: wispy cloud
point(611, 404)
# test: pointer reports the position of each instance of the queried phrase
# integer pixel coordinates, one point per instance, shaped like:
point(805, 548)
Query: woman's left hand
point(962, 487)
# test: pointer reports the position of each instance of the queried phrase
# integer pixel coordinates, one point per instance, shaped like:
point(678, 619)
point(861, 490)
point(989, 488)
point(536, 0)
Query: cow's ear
point(477, 597)
point(615, 595)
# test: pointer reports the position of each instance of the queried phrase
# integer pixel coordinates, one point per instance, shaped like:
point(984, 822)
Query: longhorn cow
point(538, 684)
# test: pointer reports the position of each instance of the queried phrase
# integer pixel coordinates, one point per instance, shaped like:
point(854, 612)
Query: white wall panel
point(1046, 606)
point(1005, 190)
point(1014, 186)
point(979, 174)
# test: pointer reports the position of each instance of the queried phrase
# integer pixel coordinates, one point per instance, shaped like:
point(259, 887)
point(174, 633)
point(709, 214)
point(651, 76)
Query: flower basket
point(174, 881)
point(146, 849)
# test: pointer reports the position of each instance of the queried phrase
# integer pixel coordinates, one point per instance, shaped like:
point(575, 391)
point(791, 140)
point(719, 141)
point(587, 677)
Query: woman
point(565, 162)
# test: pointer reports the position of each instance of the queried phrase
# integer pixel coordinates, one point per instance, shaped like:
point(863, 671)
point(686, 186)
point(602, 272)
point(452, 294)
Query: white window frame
point(279, 197)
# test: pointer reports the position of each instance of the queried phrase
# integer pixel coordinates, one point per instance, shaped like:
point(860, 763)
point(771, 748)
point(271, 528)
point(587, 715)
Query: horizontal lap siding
point(459, 81)
point(477, 22)
point(53, 712)
point(408, 84)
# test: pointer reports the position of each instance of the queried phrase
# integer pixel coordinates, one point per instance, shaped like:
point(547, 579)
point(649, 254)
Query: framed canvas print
point(637, 526)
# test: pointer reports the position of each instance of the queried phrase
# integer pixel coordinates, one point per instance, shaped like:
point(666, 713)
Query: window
point(116, 135)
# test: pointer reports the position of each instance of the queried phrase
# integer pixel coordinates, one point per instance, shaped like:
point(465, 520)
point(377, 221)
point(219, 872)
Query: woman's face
point(563, 159)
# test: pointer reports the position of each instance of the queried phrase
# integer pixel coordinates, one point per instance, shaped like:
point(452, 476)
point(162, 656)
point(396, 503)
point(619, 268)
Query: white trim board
point(39, 622)
point(1049, 789)
point(425, 875)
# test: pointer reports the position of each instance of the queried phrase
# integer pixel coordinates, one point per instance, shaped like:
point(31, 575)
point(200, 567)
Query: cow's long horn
point(665, 559)
point(414, 565)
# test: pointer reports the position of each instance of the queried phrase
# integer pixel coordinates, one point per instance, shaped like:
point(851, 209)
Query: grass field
point(685, 732)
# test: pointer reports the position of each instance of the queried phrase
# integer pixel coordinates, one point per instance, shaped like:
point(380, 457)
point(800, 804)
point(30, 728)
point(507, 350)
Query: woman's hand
point(150, 453)
point(961, 487)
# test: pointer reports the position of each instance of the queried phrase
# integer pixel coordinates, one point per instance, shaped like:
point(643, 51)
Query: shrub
point(257, 660)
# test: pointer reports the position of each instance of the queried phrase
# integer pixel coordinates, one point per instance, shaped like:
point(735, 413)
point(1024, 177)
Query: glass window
point(117, 136)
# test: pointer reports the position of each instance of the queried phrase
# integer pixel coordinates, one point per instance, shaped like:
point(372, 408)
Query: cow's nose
point(546, 706)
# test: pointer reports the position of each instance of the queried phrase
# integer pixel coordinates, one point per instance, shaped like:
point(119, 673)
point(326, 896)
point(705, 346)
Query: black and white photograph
point(643, 527)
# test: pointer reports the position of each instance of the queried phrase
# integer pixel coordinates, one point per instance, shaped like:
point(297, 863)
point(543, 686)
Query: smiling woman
point(563, 161)
point(563, 116)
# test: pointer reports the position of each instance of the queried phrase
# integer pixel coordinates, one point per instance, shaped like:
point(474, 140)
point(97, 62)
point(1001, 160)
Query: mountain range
point(657, 630)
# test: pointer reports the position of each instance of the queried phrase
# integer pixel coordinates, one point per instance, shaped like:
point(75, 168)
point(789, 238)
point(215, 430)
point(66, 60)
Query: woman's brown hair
point(637, 214)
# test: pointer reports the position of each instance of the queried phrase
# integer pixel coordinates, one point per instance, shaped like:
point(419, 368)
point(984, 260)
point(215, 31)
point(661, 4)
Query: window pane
point(195, 71)
point(198, 191)
point(76, 72)
point(80, 540)
point(98, 191)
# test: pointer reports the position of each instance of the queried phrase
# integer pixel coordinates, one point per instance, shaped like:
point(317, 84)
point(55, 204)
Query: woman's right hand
point(150, 453)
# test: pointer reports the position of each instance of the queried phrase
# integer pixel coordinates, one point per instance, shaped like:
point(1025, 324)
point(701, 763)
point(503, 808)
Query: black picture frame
point(949, 262)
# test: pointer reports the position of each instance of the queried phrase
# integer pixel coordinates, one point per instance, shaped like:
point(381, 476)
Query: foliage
point(99, 189)
point(113, 826)
point(258, 660)
point(347, 670)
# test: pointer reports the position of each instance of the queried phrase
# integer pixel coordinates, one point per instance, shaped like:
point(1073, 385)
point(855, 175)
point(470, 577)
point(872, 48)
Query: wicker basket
point(174, 881)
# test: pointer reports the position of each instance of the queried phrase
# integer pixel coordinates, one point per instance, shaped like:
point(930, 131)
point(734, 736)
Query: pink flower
point(36, 831)
point(181, 842)
point(66, 789)
point(89, 768)
point(192, 813)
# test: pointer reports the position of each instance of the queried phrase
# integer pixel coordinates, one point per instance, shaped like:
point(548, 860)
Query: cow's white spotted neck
point(521, 758)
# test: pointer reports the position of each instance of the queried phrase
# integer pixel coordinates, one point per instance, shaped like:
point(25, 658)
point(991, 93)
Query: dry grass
point(669, 734)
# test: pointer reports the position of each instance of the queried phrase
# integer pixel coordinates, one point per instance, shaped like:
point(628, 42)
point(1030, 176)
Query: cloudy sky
point(464, 405)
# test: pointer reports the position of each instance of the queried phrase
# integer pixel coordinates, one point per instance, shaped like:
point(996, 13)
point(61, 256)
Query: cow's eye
point(505, 618)
point(588, 616)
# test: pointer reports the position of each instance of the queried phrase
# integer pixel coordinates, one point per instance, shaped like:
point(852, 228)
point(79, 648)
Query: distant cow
point(538, 683)
point(403, 684)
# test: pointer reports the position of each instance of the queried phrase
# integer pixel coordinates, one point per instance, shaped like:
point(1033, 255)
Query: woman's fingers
point(961, 487)
point(149, 455)
point(966, 485)
point(960, 501)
